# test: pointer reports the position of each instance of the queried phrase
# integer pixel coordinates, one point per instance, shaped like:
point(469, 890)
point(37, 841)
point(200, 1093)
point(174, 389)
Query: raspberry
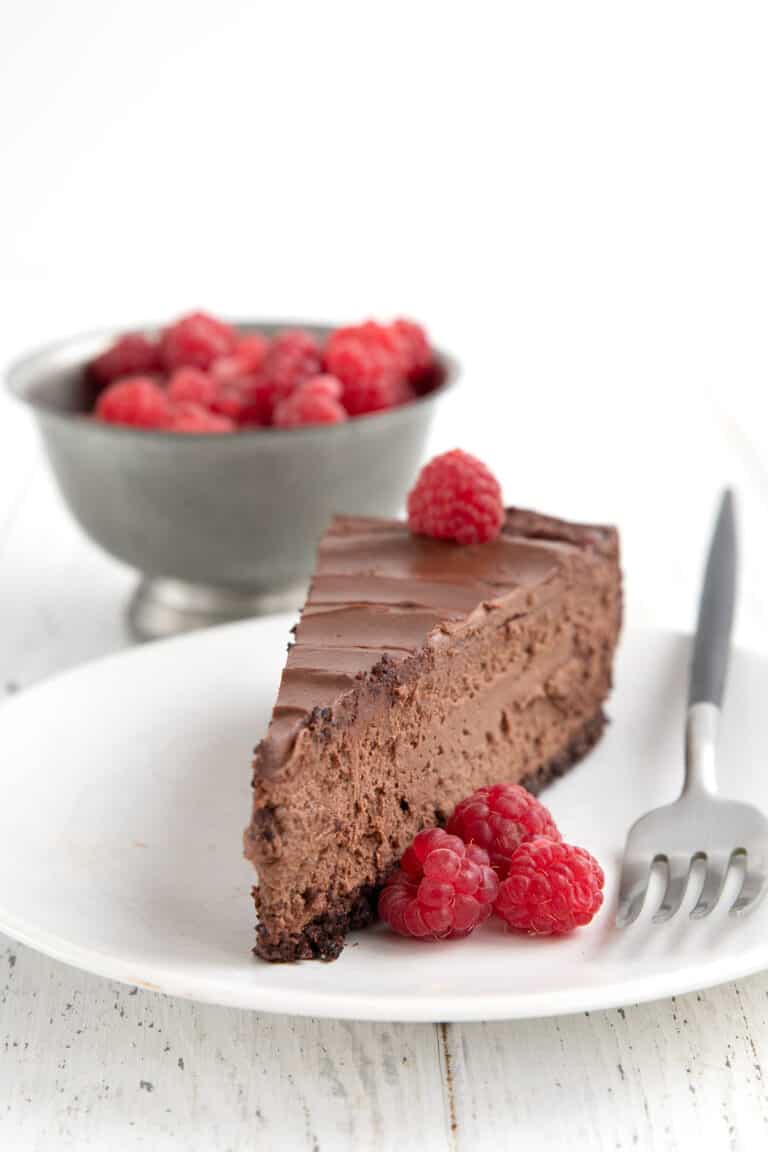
point(191, 386)
point(326, 384)
point(368, 359)
point(500, 819)
point(314, 402)
point(379, 363)
point(131, 355)
point(257, 403)
point(371, 391)
point(229, 369)
point(244, 363)
point(251, 350)
point(443, 888)
point(196, 340)
point(231, 399)
point(369, 379)
point(415, 349)
point(292, 357)
point(456, 498)
point(383, 339)
point(194, 418)
point(389, 343)
point(551, 888)
point(249, 401)
point(136, 400)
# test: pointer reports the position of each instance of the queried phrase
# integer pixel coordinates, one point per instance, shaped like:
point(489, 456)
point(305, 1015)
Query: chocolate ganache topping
point(378, 591)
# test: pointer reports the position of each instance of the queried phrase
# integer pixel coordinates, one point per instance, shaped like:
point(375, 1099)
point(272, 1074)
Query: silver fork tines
point(702, 834)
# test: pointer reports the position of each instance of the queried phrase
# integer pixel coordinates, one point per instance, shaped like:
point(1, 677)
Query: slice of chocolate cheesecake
point(422, 669)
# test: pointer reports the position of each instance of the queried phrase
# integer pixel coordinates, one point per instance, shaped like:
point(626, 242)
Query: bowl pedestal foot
point(162, 607)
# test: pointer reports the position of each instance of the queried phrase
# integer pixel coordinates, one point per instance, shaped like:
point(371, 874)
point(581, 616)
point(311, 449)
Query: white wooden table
point(85, 1063)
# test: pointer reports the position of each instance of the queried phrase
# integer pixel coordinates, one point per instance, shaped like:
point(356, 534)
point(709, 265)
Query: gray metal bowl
point(219, 526)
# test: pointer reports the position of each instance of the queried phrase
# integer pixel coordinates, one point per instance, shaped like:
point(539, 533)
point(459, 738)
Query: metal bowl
point(219, 526)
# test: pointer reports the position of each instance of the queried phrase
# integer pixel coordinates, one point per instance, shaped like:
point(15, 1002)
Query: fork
point(701, 829)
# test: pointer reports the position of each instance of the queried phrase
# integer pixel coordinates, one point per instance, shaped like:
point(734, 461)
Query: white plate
point(124, 789)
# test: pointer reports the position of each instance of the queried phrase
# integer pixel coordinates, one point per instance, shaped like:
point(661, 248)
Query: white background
point(574, 199)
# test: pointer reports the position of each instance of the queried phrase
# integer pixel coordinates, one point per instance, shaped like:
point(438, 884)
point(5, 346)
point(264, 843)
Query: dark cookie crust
point(576, 751)
point(323, 938)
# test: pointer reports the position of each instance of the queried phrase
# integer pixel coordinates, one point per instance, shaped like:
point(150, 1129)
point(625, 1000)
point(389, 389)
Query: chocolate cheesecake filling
point(421, 670)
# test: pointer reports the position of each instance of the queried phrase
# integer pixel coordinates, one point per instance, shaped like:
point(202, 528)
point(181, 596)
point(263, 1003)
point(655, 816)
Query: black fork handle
point(712, 644)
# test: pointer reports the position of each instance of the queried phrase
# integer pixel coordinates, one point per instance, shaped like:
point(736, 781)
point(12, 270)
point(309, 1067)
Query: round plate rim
point(356, 1006)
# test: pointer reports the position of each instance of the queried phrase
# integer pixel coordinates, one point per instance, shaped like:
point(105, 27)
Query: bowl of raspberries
point(210, 455)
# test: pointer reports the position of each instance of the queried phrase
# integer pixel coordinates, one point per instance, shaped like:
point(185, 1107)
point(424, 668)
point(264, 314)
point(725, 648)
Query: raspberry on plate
point(442, 889)
point(500, 819)
point(456, 498)
point(314, 402)
point(196, 340)
point(194, 418)
point(550, 889)
point(191, 386)
point(135, 400)
point(130, 355)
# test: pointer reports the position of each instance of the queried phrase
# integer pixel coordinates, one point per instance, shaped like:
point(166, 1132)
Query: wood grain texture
point(684, 1073)
point(91, 1064)
point(86, 1061)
